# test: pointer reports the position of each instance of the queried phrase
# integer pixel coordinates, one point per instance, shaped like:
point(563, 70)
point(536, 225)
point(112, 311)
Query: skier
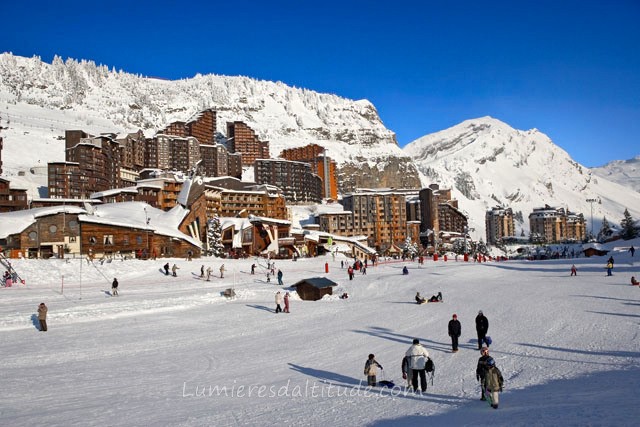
point(114, 287)
point(174, 270)
point(222, 271)
point(286, 302)
point(574, 270)
point(280, 278)
point(370, 370)
point(418, 356)
point(481, 370)
point(278, 302)
point(42, 316)
point(482, 327)
point(455, 330)
point(494, 382)
point(166, 269)
point(209, 271)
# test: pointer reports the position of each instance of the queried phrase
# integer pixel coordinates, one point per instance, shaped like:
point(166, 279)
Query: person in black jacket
point(482, 327)
point(481, 370)
point(455, 330)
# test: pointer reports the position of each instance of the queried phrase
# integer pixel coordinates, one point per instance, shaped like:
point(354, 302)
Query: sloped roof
point(317, 282)
point(16, 222)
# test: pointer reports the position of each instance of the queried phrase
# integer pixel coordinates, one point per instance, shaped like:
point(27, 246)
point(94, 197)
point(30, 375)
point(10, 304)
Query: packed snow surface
point(174, 351)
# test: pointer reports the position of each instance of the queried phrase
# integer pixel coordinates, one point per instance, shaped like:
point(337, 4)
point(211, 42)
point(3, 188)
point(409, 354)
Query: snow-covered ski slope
point(173, 351)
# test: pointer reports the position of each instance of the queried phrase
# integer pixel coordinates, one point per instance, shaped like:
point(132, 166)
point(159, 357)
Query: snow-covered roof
point(113, 192)
point(136, 214)
point(18, 221)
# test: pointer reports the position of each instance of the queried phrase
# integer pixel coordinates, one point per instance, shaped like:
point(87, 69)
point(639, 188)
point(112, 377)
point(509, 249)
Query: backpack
point(430, 367)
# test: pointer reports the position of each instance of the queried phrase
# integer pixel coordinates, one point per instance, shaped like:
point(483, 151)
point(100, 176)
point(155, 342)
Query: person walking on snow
point(455, 330)
point(494, 382)
point(370, 370)
point(209, 271)
point(166, 269)
point(609, 268)
point(482, 327)
point(42, 316)
point(202, 272)
point(286, 302)
point(280, 278)
point(174, 270)
point(114, 287)
point(253, 269)
point(632, 250)
point(418, 356)
point(481, 370)
point(574, 270)
point(222, 271)
point(278, 302)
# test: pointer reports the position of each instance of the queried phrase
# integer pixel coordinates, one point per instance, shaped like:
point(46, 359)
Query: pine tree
point(629, 227)
point(410, 248)
point(605, 230)
point(214, 237)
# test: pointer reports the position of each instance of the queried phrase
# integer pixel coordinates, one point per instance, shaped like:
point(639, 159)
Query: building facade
point(298, 183)
point(499, 224)
point(12, 199)
point(556, 225)
point(243, 140)
point(320, 164)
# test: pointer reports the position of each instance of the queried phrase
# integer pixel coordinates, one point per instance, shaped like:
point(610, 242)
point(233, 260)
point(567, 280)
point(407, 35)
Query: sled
point(386, 384)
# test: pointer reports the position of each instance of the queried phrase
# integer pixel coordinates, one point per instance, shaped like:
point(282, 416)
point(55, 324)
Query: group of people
point(434, 298)
point(279, 299)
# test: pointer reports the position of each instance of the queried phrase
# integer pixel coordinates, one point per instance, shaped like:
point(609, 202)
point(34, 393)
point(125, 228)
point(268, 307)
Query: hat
point(455, 316)
point(491, 362)
point(416, 341)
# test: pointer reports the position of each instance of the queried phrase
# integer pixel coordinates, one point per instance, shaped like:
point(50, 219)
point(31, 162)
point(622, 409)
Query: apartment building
point(243, 140)
point(217, 161)
point(556, 225)
point(12, 199)
point(169, 152)
point(226, 198)
point(439, 213)
point(379, 215)
point(298, 183)
point(499, 224)
point(321, 165)
point(98, 163)
point(202, 126)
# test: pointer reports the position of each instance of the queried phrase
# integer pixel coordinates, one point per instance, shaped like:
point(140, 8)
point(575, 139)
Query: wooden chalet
point(314, 288)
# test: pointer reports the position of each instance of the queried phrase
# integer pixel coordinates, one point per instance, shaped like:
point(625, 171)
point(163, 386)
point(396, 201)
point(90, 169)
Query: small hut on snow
point(314, 288)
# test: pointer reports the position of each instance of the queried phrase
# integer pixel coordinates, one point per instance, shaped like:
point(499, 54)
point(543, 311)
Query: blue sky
point(568, 68)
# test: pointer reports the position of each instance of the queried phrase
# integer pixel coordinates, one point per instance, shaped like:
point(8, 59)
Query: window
point(53, 229)
point(33, 236)
point(107, 239)
point(93, 240)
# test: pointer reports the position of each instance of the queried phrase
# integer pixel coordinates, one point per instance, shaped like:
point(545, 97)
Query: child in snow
point(574, 270)
point(493, 381)
point(405, 270)
point(114, 287)
point(286, 302)
point(436, 298)
point(634, 282)
point(42, 316)
point(407, 373)
point(420, 299)
point(370, 370)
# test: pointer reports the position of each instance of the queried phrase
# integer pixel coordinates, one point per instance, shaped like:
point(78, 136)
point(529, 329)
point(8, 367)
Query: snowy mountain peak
point(487, 162)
